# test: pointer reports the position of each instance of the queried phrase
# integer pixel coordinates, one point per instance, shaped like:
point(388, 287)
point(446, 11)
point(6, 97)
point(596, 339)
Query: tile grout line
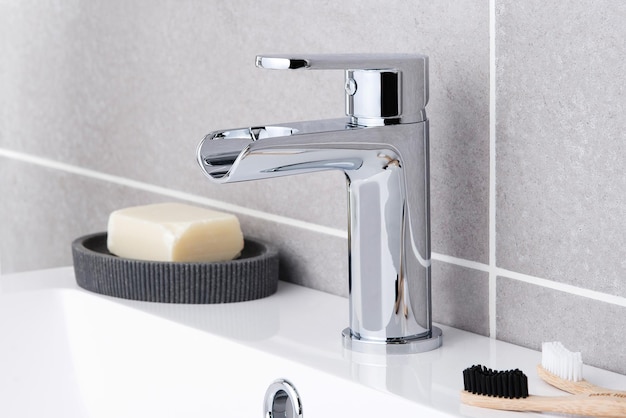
point(564, 287)
point(537, 281)
point(493, 268)
point(68, 168)
point(461, 262)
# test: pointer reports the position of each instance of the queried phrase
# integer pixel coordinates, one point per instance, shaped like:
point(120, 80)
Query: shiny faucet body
point(382, 147)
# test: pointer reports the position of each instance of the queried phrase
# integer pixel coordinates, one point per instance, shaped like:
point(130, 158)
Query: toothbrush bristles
point(561, 362)
point(512, 384)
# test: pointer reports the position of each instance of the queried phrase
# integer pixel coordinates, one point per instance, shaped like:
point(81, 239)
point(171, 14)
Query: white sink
point(65, 352)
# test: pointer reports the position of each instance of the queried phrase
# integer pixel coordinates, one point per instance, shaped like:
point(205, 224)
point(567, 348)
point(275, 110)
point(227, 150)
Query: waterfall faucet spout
point(383, 150)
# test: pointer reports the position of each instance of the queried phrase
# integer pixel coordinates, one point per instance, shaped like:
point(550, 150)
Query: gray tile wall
point(90, 90)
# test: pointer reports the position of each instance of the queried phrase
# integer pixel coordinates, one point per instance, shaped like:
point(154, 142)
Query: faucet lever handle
point(381, 89)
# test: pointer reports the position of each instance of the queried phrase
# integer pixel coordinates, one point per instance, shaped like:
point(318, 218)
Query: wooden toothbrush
point(563, 369)
point(508, 390)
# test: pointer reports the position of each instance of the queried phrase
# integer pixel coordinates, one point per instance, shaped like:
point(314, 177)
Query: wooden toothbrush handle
point(596, 404)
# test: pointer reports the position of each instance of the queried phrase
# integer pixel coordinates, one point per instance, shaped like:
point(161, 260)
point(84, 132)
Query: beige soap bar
point(174, 232)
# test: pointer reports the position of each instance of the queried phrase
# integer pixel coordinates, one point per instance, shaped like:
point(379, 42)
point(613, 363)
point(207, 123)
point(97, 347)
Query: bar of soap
point(174, 232)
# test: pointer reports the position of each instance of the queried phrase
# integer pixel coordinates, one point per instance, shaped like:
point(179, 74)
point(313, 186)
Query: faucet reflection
point(382, 147)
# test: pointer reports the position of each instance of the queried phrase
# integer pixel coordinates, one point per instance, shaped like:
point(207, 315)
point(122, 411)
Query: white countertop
point(66, 352)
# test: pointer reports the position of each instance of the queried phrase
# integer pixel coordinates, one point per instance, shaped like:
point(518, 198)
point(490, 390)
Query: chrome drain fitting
point(282, 400)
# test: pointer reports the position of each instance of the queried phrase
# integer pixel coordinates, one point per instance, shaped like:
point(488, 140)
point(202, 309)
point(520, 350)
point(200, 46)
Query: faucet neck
point(389, 241)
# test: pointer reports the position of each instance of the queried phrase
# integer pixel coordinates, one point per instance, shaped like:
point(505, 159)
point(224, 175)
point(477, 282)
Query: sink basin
point(66, 352)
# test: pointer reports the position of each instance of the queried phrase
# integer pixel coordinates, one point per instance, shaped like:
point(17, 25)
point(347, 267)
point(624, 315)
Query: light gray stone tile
point(528, 315)
point(561, 141)
point(460, 297)
point(129, 88)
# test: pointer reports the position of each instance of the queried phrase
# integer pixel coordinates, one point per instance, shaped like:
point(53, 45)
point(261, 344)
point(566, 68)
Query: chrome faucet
point(382, 147)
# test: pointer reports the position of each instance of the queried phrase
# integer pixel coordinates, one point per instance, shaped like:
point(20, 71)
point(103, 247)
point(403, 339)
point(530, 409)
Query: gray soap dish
point(253, 275)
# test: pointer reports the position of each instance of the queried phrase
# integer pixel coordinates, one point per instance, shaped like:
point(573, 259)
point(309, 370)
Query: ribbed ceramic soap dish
point(253, 275)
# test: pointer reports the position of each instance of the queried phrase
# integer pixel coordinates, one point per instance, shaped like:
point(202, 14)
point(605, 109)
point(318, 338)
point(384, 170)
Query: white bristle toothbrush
point(563, 369)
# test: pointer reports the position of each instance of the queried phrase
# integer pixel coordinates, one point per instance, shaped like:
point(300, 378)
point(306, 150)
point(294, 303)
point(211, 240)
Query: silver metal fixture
point(282, 400)
point(382, 147)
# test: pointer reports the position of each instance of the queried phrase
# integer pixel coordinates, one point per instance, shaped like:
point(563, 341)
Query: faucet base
point(407, 346)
